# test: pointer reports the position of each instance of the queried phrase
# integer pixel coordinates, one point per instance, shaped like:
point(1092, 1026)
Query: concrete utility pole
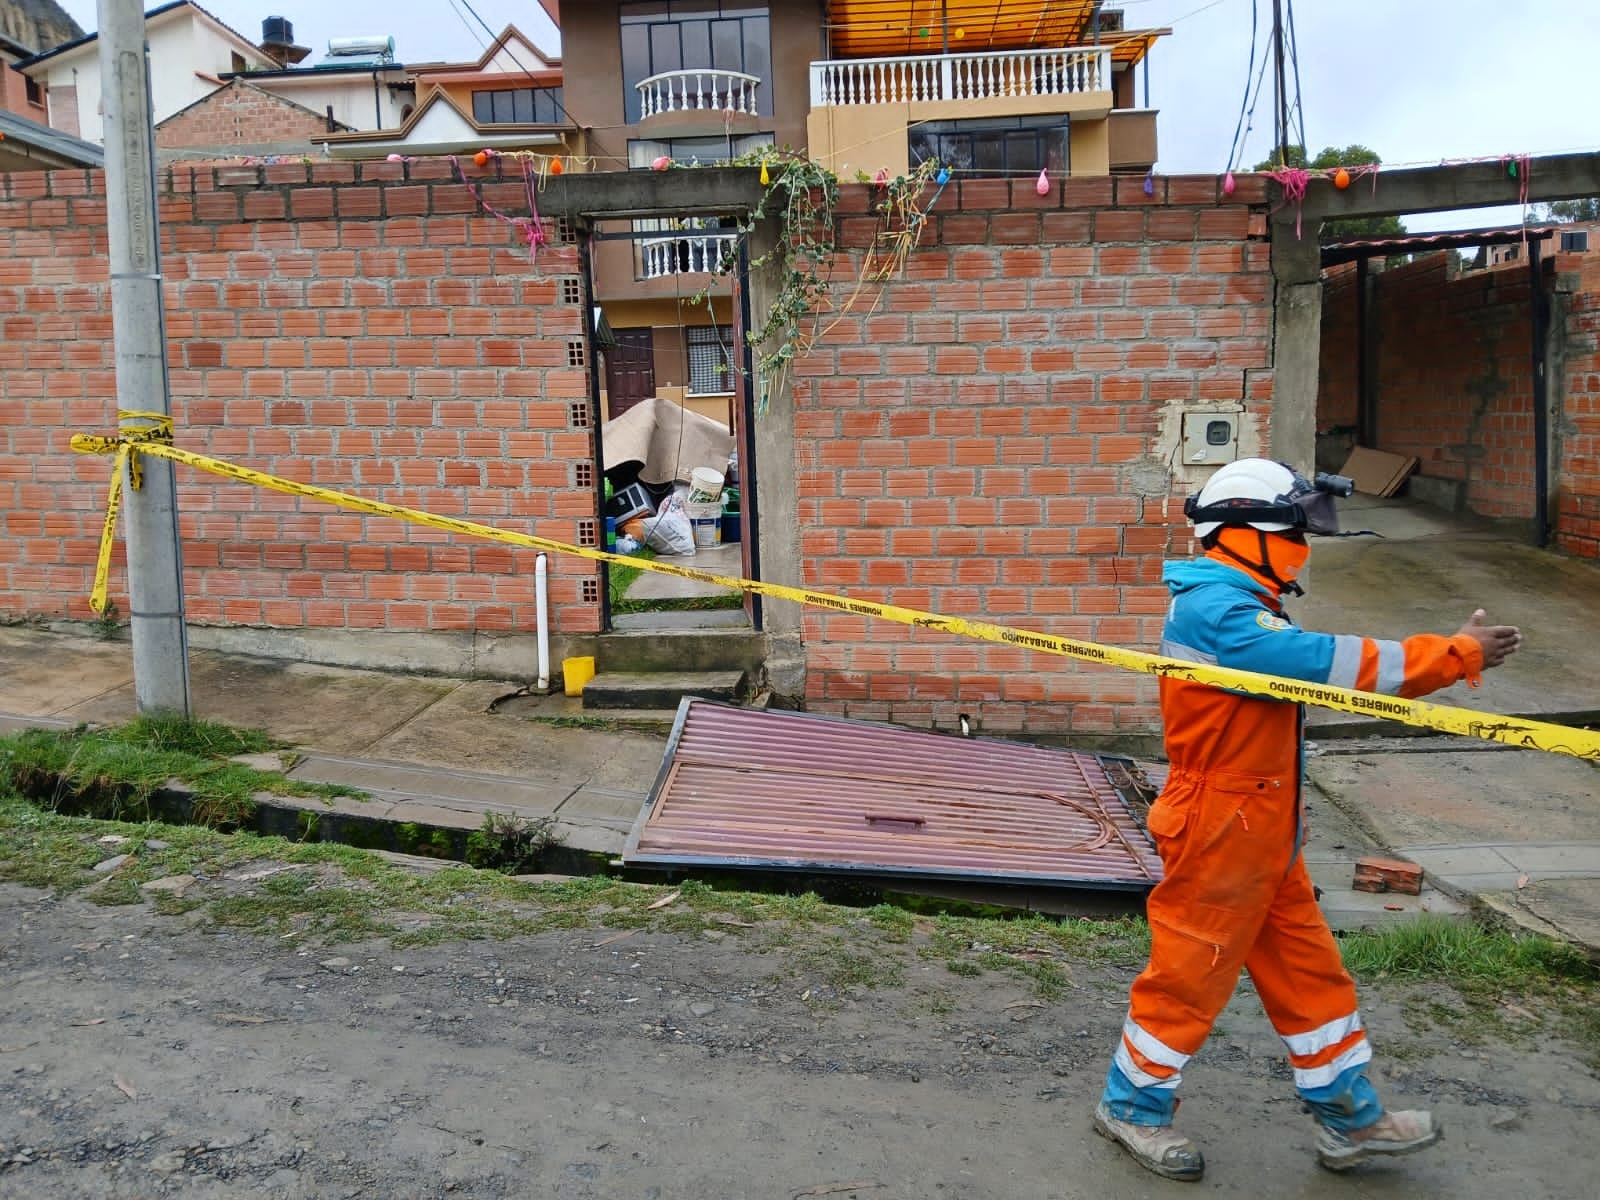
point(150, 520)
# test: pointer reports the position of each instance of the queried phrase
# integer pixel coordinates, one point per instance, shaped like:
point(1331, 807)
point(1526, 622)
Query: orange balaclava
point(1271, 559)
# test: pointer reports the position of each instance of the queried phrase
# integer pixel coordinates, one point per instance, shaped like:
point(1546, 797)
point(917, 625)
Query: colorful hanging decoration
point(530, 227)
point(661, 164)
point(881, 179)
point(1150, 182)
point(1228, 185)
point(943, 177)
point(1293, 181)
point(484, 157)
point(555, 165)
point(399, 158)
point(1042, 186)
point(766, 175)
point(1341, 179)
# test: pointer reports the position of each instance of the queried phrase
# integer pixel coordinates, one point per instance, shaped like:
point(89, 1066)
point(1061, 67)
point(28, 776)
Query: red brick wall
point(340, 328)
point(63, 110)
point(14, 95)
point(1338, 382)
point(1454, 377)
point(239, 115)
point(984, 442)
point(1578, 498)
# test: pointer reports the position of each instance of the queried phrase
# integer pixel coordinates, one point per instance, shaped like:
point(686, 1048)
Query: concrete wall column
point(1296, 338)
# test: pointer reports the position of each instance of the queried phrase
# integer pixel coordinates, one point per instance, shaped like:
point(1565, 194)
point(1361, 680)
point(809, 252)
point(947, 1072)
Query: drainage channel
point(304, 820)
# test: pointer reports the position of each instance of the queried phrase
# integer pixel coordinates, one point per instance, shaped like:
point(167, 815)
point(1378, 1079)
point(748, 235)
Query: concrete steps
point(639, 651)
point(659, 690)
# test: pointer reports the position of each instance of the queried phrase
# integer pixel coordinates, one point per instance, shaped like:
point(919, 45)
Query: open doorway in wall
point(671, 377)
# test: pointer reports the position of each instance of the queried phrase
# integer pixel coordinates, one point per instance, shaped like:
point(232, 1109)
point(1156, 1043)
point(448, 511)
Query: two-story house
point(190, 50)
point(990, 87)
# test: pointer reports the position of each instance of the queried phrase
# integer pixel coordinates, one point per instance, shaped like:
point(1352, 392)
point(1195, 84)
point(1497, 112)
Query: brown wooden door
point(630, 370)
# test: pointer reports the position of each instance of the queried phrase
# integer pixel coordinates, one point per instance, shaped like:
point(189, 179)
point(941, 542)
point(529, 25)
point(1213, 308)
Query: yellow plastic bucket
point(575, 672)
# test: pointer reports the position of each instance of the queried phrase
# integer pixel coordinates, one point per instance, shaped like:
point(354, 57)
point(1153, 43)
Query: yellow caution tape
point(1513, 731)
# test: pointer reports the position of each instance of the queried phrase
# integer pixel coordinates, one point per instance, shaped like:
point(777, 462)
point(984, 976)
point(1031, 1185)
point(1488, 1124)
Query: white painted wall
point(351, 96)
point(182, 43)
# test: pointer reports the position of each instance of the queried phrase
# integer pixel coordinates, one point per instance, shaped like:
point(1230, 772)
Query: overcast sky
point(1419, 81)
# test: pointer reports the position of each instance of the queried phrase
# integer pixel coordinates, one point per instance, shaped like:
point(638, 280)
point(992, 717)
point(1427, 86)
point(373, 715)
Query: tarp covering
point(668, 440)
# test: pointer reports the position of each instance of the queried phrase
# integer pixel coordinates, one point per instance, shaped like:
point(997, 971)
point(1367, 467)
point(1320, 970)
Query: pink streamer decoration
point(1293, 181)
point(531, 228)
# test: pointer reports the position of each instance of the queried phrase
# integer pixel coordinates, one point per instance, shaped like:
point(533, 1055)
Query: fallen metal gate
point(792, 791)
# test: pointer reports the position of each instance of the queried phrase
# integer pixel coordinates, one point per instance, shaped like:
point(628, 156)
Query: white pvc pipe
point(541, 574)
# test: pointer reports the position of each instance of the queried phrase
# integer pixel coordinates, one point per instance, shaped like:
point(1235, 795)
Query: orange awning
point(889, 28)
point(1128, 48)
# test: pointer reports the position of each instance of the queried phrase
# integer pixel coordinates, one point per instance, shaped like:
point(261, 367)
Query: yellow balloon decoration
point(766, 177)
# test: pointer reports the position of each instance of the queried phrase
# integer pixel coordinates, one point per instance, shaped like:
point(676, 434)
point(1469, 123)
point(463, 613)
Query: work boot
point(1159, 1148)
point(1393, 1134)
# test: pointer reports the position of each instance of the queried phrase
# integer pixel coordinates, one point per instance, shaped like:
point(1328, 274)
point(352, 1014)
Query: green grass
point(1463, 954)
point(113, 772)
point(1496, 986)
point(622, 577)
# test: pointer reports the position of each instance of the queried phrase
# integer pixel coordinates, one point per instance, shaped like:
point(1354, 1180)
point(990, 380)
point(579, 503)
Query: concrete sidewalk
point(1427, 574)
point(428, 750)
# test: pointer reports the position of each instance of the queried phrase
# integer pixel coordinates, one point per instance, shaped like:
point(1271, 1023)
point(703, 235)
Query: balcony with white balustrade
point(685, 254)
point(1003, 82)
point(698, 99)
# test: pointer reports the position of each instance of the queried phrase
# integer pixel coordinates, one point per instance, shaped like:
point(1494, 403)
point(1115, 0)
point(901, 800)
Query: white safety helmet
point(1266, 495)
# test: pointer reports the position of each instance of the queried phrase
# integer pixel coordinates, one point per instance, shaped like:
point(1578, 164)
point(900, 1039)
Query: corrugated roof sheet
point(794, 791)
point(18, 131)
point(1351, 249)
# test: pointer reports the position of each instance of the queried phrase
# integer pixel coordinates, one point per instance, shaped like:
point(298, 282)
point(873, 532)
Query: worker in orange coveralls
point(1228, 826)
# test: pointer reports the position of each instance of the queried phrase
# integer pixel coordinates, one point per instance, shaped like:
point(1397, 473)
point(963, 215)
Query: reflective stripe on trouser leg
point(1142, 1084)
point(1311, 1001)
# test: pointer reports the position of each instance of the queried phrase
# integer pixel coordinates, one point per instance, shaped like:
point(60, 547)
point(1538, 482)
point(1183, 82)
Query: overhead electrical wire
point(511, 54)
point(1235, 148)
point(1299, 96)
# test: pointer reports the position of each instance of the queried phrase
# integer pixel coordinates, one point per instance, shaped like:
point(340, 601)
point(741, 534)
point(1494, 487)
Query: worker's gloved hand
point(1499, 642)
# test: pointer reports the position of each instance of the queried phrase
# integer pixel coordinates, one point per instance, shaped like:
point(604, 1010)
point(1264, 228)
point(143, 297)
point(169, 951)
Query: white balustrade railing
point(960, 76)
point(691, 254)
point(702, 88)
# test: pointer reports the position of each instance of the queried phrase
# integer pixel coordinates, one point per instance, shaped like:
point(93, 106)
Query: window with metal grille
point(1576, 242)
point(994, 146)
point(710, 359)
point(518, 106)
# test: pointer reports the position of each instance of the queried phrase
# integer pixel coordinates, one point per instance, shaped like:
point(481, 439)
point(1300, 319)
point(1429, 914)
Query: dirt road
point(144, 1055)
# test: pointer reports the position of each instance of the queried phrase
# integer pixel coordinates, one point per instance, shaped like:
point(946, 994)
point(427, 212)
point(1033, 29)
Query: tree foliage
point(1566, 211)
point(1331, 158)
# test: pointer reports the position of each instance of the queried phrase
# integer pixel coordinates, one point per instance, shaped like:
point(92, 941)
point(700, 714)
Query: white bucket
point(705, 486)
point(706, 521)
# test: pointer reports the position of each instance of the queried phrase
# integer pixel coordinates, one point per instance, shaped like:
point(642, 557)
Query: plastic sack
point(669, 531)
